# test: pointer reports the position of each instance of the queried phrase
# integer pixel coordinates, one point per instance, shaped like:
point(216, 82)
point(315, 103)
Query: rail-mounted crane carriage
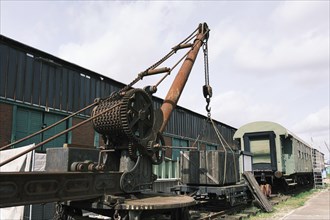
point(114, 179)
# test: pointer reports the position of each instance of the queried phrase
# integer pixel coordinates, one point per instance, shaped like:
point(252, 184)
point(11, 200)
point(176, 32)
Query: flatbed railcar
point(213, 176)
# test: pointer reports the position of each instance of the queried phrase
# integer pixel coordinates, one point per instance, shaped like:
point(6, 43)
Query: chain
point(207, 89)
point(206, 64)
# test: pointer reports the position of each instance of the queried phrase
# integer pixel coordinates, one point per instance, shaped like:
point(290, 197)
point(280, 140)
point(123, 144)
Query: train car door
point(262, 146)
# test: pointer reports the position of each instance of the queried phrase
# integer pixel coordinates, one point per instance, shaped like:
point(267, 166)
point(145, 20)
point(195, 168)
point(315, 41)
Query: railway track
point(215, 209)
point(202, 211)
point(245, 212)
point(238, 212)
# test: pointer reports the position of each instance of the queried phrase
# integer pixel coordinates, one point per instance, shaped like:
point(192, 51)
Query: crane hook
point(207, 92)
point(208, 109)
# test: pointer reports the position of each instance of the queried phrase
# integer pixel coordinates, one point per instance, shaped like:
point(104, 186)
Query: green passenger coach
point(281, 160)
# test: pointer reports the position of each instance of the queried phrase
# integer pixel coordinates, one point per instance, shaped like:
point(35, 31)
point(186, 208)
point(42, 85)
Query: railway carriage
point(280, 159)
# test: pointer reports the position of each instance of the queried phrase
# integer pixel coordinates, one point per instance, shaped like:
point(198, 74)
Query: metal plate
point(41, 187)
point(152, 202)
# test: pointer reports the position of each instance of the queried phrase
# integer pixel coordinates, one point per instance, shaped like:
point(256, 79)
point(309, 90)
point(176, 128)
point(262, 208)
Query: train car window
point(261, 150)
point(287, 146)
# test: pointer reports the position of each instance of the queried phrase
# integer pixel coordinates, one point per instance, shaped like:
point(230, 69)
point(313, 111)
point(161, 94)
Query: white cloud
point(291, 41)
point(237, 108)
point(132, 36)
point(316, 122)
point(315, 129)
point(224, 38)
point(295, 16)
point(287, 57)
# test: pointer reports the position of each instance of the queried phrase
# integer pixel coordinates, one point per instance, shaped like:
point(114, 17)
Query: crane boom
point(182, 76)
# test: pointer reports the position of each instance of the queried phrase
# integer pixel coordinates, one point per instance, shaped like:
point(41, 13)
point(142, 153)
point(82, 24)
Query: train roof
point(262, 126)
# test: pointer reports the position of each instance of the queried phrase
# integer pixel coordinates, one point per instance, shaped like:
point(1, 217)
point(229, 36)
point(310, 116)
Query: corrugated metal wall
point(31, 78)
point(36, 78)
point(187, 124)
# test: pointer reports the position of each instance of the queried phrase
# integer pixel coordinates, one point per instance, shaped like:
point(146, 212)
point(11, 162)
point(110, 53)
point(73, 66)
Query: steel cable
point(47, 128)
point(56, 136)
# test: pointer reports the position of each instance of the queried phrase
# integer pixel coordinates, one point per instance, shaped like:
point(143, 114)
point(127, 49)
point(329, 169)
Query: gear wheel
point(131, 121)
point(132, 152)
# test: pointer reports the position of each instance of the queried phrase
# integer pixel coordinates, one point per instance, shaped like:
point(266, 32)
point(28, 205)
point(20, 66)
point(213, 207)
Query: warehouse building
point(38, 89)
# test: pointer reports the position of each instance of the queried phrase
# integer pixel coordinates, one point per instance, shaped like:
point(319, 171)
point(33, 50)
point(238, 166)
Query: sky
point(268, 60)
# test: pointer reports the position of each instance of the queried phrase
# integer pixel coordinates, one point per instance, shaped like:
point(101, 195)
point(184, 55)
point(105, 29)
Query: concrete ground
point(318, 207)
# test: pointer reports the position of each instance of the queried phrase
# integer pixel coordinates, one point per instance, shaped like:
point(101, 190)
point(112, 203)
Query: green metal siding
point(28, 121)
point(178, 143)
point(50, 119)
point(32, 76)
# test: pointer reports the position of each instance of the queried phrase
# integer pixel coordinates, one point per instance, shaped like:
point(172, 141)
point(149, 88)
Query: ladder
point(317, 169)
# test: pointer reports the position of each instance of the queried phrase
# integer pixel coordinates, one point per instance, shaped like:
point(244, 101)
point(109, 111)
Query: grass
point(292, 203)
point(284, 207)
